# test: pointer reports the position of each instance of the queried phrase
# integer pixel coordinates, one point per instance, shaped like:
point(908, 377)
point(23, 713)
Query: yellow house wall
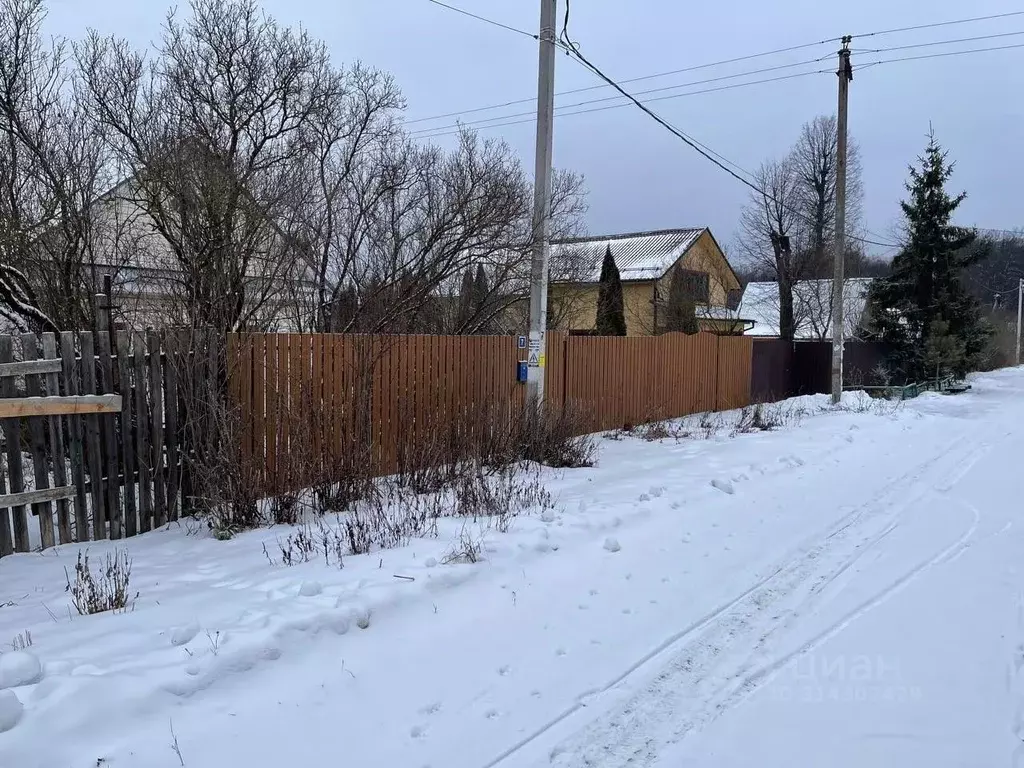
point(576, 307)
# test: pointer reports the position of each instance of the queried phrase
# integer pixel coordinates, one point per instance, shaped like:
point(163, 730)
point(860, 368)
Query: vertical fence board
point(172, 350)
point(143, 449)
point(57, 445)
point(76, 452)
point(12, 435)
point(6, 539)
point(127, 432)
point(91, 447)
point(43, 511)
point(157, 431)
point(108, 427)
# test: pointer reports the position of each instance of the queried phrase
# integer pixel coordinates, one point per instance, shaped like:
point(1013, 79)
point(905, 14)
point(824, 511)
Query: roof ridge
point(624, 235)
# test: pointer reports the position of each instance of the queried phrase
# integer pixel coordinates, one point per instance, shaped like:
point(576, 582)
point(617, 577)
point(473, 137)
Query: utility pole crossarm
point(845, 73)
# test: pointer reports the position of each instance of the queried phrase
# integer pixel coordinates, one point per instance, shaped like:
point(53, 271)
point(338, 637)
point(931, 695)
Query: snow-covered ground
point(845, 592)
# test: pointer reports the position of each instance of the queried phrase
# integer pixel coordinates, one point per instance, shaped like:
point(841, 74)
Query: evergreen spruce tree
point(922, 309)
point(681, 312)
point(611, 316)
point(481, 298)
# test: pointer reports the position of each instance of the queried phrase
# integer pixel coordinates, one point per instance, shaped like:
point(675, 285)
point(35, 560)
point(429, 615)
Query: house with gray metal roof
point(646, 262)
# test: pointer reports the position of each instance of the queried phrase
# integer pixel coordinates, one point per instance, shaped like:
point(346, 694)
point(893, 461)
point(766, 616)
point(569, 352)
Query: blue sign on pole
point(522, 342)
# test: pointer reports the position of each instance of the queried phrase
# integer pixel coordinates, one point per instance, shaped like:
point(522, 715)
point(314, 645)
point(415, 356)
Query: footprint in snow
point(492, 714)
point(431, 709)
point(560, 652)
point(723, 485)
point(505, 671)
point(417, 731)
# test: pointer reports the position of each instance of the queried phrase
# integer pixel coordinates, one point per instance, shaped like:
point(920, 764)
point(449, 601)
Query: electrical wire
point(448, 131)
point(637, 93)
point(866, 65)
point(878, 33)
point(694, 68)
point(939, 42)
point(484, 19)
point(573, 48)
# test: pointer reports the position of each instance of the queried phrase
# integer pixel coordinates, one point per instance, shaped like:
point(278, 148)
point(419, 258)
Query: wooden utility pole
point(542, 206)
point(845, 76)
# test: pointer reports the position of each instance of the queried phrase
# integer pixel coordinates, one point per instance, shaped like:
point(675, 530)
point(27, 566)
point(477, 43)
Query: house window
point(696, 285)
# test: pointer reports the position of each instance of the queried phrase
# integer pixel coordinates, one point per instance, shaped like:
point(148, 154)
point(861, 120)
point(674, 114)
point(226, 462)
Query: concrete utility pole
point(1020, 312)
point(542, 205)
point(838, 321)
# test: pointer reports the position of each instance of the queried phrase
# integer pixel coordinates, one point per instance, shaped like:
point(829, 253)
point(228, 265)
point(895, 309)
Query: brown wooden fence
point(386, 400)
point(387, 395)
point(99, 475)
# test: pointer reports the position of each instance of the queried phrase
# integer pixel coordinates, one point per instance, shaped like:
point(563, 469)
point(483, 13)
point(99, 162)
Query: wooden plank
point(124, 380)
point(157, 431)
point(43, 511)
point(171, 352)
point(57, 447)
point(108, 430)
point(75, 431)
point(93, 453)
point(27, 367)
point(143, 451)
point(38, 497)
point(12, 435)
point(24, 407)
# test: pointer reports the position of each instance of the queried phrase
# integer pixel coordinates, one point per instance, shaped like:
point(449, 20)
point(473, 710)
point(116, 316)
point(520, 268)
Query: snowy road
point(851, 593)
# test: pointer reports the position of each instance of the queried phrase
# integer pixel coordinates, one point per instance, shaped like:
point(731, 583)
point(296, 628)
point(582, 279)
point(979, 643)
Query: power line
point(448, 131)
point(485, 20)
point(694, 68)
point(637, 93)
point(941, 55)
point(939, 42)
point(573, 48)
point(878, 33)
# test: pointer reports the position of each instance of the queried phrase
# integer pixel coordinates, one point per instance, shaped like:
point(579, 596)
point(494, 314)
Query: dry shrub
point(710, 424)
point(222, 484)
point(556, 437)
point(309, 542)
point(467, 548)
point(106, 591)
point(501, 495)
point(762, 417)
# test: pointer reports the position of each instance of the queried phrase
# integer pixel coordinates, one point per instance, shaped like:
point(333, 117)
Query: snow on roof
point(812, 307)
point(639, 256)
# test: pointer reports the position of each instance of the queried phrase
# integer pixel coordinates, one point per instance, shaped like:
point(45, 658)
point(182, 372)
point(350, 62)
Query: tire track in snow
point(794, 570)
point(753, 682)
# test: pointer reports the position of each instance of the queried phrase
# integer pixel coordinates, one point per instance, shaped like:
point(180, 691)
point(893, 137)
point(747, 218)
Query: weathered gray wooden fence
point(89, 467)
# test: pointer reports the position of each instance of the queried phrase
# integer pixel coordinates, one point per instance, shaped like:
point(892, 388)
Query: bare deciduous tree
point(787, 230)
point(209, 131)
point(53, 164)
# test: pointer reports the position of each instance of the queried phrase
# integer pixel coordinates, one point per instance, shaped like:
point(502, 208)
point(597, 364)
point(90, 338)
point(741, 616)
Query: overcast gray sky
point(638, 175)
